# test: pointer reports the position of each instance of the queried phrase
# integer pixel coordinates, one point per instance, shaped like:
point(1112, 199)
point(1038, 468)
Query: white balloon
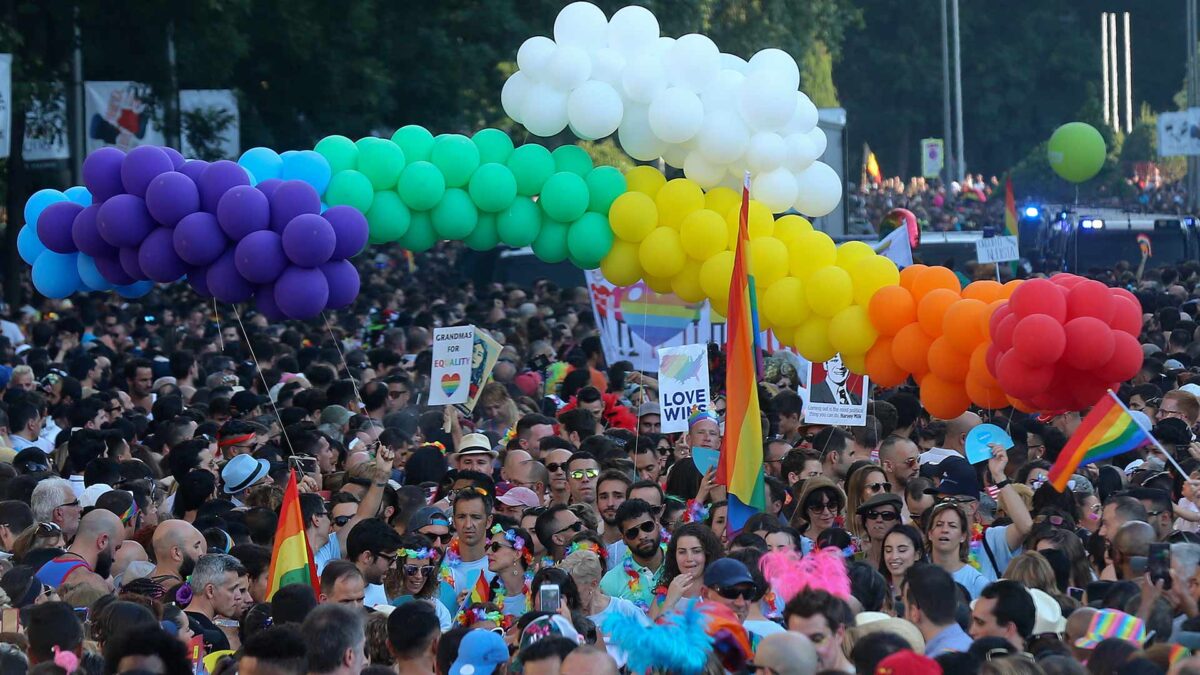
point(607, 66)
point(692, 62)
point(722, 91)
point(643, 79)
point(632, 29)
point(533, 55)
point(663, 45)
point(697, 167)
point(676, 115)
point(582, 25)
point(635, 136)
point(734, 62)
point(765, 101)
point(568, 67)
point(545, 110)
point(512, 96)
point(766, 152)
point(595, 110)
point(820, 190)
point(800, 152)
point(675, 155)
point(817, 137)
point(723, 137)
point(775, 189)
point(805, 116)
point(734, 179)
point(778, 62)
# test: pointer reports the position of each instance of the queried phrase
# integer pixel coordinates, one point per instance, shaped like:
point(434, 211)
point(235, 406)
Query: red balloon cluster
point(1059, 343)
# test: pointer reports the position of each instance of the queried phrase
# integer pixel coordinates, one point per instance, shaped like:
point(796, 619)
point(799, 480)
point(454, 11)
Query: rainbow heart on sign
point(451, 383)
point(655, 317)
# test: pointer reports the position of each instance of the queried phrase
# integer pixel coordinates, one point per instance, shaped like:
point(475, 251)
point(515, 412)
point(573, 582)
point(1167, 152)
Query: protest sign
point(450, 377)
point(835, 395)
point(996, 249)
point(683, 385)
point(485, 352)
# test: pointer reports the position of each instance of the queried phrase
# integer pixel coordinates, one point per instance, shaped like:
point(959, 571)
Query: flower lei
point(499, 592)
point(509, 434)
point(473, 615)
point(696, 512)
point(975, 552)
point(417, 554)
point(586, 545)
point(634, 582)
point(452, 560)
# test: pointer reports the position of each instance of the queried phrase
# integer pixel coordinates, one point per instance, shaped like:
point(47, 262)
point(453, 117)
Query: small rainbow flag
point(1107, 431)
point(481, 592)
point(1010, 209)
point(291, 558)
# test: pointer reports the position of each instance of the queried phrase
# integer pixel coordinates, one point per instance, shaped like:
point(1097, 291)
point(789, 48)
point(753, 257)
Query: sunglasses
point(341, 521)
point(48, 529)
point(579, 474)
point(885, 516)
point(468, 490)
point(824, 506)
point(72, 504)
point(956, 499)
point(495, 546)
point(415, 570)
point(879, 487)
point(646, 527)
point(735, 592)
point(396, 394)
point(555, 467)
point(438, 538)
point(576, 526)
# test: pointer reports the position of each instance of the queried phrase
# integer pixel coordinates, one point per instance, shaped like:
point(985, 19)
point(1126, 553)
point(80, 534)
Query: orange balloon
point(908, 275)
point(942, 399)
point(985, 290)
point(1023, 406)
point(985, 319)
point(909, 349)
point(978, 369)
point(932, 308)
point(932, 278)
point(892, 308)
point(882, 367)
point(947, 362)
point(961, 324)
point(1009, 288)
point(984, 396)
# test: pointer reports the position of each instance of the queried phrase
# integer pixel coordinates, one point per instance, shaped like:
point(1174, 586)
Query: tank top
point(55, 571)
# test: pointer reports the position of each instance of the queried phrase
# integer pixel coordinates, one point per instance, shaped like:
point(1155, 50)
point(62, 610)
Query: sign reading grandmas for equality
point(450, 377)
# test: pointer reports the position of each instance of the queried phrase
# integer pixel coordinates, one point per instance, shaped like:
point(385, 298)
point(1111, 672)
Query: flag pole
point(1149, 435)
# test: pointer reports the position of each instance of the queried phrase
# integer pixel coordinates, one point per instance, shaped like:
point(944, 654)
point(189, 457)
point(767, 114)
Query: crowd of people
point(146, 446)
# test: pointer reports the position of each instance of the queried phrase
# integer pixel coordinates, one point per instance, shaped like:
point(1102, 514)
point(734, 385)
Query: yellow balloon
point(703, 234)
point(857, 363)
point(871, 274)
point(686, 284)
point(812, 339)
point(633, 216)
point(717, 312)
point(768, 261)
point(645, 179)
point(715, 275)
point(658, 284)
point(677, 200)
point(851, 332)
point(759, 222)
point(809, 252)
point(784, 303)
point(721, 199)
point(789, 227)
point(851, 252)
point(621, 266)
point(829, 290)
point(661, 253)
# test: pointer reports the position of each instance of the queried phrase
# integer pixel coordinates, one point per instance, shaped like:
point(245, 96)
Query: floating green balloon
point(494, 145)
point(456, 156)
point(493, 187)
point(420, 235)
point(518, 225)
point(531, 164)
point(455, 216)
point(381, 161)
point(564, 197)
point(572, 158)
point(551, 243)
point(421, 186)
point(485, 236)
point(415, 141)
point(605, 184)
point(339, 151)
point(350, 188)
point(388, 218)
point(1076, 151)
point(589, 239)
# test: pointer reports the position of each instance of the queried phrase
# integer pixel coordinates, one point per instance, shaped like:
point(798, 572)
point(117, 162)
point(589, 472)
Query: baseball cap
point(426, 516)
point(649, 408)
point(243, 471)
point(245, 401)
point(335, 415)
point(1191, 388)
point(479, 653)
point(726, 572)
point(476, 444)
point(92, 493)
point(958, 479)
point(907, 662)
point(1173, 365)
point(519, 496)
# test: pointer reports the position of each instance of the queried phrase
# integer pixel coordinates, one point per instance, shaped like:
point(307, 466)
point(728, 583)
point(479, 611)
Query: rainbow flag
point(291, 558)
point(1010, 209)
point(741, 461)
point(481, 592)
point(1107, 431)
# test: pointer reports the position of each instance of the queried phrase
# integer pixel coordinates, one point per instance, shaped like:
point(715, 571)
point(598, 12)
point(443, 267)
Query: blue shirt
point(997, 542)
point(971, 579)
point(951, 639)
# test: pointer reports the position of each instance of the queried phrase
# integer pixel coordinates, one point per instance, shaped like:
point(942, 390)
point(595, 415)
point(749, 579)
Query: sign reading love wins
point(451, 365)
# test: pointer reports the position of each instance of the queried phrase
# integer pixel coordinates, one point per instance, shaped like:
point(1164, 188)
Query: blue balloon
point(79, 195)
point(263, 163)
point(29, 245)
point(39, 201)
point(90, 275)
point(56, 275)
point(308, 166)
point(135, 290)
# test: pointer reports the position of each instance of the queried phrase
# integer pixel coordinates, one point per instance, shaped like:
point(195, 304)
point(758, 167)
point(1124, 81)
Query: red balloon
point(1127, 315)
point(1048, 401)
point(1039, 339)
point(1039, 296)
point(1003, 335)
point(1125, 293)
point(998, 316)
point(1090, 298)
point(1084, 387)
point(1126, 359)
point(1067, 280)
point(1089, 342)
point(1019, 379)
point(993, 356)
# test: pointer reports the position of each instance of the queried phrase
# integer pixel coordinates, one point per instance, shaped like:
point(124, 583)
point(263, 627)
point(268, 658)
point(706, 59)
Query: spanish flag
point(871, 165)
point(291, 558)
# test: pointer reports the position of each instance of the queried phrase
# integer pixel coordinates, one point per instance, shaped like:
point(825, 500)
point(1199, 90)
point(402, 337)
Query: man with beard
point(89, 559)
point(139, 376)
point(900, 460)
point(177, 546)
point(612, 489)
point(372, 547)
point(218, 591)
point(643, 537)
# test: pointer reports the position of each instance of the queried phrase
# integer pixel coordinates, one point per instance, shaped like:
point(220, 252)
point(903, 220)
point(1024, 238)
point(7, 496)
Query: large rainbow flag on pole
point(740, 467)
point(291, 558)
point(1107, 431)
point(1010, 210)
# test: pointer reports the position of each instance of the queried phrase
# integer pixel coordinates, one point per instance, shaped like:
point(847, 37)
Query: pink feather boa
point(823, 570)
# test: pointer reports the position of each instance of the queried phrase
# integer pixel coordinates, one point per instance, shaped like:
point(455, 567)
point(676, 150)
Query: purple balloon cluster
point(157, 216)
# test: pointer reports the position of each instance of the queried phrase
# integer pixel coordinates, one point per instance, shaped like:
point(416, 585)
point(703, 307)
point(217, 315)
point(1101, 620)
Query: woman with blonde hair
point(586, 570)
point(38, 535)
point(1034, 571)
point(495, 411)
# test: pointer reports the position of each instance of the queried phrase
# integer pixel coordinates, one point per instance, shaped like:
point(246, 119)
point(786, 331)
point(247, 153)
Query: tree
point(816, 76)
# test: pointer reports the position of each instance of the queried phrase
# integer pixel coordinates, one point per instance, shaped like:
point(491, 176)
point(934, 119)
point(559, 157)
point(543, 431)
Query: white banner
point(835, 395)
point(682, 385)
point(213, 115)
point(118, 114)
point(996, 249)
point(46, 138)
point(450, 378)
point(1179, 133)
point(933, 157)
point(5, 104)
point(896, 247)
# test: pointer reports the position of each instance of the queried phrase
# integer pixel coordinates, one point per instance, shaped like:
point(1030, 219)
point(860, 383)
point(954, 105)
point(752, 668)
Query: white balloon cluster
point(711, 114)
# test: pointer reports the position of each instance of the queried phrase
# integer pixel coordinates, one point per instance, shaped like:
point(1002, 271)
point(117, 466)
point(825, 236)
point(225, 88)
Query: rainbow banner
point(740, 465)
point(1107, 431)
point(1010, 209)
point(291, 558)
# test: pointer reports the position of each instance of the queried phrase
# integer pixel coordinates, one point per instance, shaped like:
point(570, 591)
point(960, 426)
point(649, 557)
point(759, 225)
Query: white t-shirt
point(616, 552)
point(618, 607)
point(375, 595)
point(762, 627)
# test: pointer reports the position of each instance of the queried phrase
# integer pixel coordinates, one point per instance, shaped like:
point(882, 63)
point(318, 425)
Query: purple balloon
point(54, 226)
point(142, 165)
point(177, 159)
point(128, 256)
point(301, 293)
point(243, 210)
point(157, 257)
point(291, 199)
point(217, 179)
point(350, 226)
point(110, 268)
point(172, 196)
point(102, 173)
point(268, 186)
point(193, 168)
point(309, 240)
point(225, 283)
point(197, 279)
point(85, 232)
point(260, 258)
point(124, 221)
point(264, 301)
point(198, 239)
point(343, 282)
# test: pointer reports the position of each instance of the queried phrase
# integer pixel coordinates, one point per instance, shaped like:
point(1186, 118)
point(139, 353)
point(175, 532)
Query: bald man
point(514, 460)
point(588, 660)
point(956, 439)
point(130, 552)
point(89, 560)
point(787, 653)
point(1132, 539)
point(177, 546)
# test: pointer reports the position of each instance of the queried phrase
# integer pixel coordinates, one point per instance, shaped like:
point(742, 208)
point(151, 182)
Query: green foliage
point(606, 153)
point(205, 130)
point(816, 76)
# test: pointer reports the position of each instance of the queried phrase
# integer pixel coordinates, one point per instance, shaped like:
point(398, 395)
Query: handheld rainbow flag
point(1010, 209)
point(480, 593)
point(740, 464)
point(1107, 431)
point(291, 558)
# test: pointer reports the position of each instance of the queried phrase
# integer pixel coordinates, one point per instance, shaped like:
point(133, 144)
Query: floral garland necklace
point(975, 550)
point(451, 562)
point(634, 581)
point(498, 589)
point(500, 592)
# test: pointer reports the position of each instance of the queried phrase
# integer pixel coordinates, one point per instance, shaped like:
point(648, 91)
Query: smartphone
point(1158, 564)
point(1075, 592)
point(549, 598)
point(10, 620)
point(303, 463)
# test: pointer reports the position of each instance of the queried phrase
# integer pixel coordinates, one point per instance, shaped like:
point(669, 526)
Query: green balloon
point(421, 235)
point(421, 186)
point(493, 187)
point(1076, 151)
point(381, 161)
point(494, 145)
point(518, 225)
point(531, 164)
point(339, 151)
point(589, 240)
point(564, 197)
point(388, 218)
point(415, 141)
point(551, 243)
point(572, 158)
point(456, 156)
point(350, 188)
point(455, 216)
point(485, 236)
point(605, 184)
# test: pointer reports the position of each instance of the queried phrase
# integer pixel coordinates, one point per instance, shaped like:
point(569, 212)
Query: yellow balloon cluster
point(811, 292)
